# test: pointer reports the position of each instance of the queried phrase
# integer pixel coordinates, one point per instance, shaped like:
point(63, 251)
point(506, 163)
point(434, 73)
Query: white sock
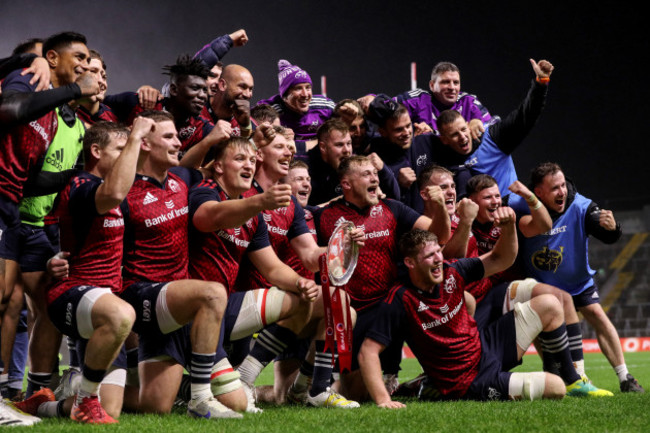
point(249, 369)
point(200, 391)
point(621, 372)
point(302, 382)
point(88, 388)
point(580, 367)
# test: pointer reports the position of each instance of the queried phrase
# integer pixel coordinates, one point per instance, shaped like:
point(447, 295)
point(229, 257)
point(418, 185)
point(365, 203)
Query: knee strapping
point(259, 308)
point(518, 291)
point(115, 376)
point(166, 321)
point(527, 324)
point(528, 386)
point(224, 378)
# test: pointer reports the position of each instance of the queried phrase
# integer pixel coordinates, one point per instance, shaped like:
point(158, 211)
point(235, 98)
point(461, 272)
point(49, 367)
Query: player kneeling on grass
point(83, 305)
point(460, 361)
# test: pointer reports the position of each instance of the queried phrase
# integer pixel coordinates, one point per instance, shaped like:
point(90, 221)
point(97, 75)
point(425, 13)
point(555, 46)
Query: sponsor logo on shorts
point(146, 311)
point(68, 314)
point(493, 394)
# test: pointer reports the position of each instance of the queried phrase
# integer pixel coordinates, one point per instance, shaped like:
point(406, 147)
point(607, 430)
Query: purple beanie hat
point(290, 75)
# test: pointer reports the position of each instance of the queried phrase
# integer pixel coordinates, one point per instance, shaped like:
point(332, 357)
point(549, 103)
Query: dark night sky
point(592, 118)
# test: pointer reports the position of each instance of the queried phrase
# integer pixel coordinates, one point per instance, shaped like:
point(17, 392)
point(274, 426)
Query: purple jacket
point(422, 107)
point(303, 125)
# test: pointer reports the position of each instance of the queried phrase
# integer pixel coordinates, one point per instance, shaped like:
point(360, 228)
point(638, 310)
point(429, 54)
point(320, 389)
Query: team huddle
point(173, 237)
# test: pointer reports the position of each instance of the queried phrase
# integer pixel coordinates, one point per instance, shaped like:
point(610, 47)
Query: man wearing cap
point(299, 109)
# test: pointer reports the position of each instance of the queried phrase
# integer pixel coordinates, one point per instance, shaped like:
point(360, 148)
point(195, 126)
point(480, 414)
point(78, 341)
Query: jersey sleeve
point(122, 104)
point(189, 176)
point(200, 194)
point(261, 236)
point(470, 269)
point(405, 216)
point(82, 198)
point(388, 183)
point(298, 225)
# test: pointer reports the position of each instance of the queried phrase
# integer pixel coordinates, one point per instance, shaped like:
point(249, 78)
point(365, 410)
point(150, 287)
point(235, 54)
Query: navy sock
point(555, 352)
point(75, 362)
point(36, 381)
point(322, 369)
point(272, 341)
point(201, 367)
point(574, 333)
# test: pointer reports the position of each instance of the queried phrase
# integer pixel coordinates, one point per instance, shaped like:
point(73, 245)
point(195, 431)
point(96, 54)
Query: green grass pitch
point(622, 413)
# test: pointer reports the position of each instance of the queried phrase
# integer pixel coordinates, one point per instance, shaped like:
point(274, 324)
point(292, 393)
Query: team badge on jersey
point(376, 211)
point(547, 259)
point(450, 284)
point(173, 185)
point(187, 132)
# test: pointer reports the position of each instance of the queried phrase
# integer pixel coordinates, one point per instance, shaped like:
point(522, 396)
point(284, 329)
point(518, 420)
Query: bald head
point(236, 82)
